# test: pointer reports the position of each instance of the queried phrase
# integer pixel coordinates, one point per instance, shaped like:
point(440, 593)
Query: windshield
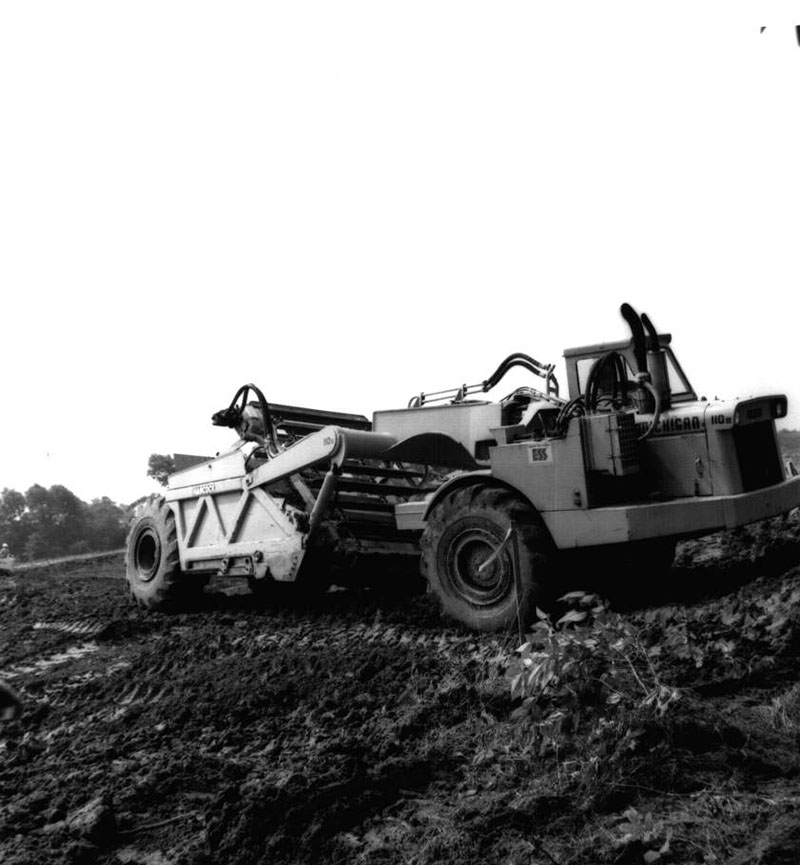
point(678, 383)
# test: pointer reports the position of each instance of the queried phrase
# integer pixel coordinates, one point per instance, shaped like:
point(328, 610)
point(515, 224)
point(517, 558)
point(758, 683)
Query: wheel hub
point(468, 552)
point(147, 554)
point(471, 558)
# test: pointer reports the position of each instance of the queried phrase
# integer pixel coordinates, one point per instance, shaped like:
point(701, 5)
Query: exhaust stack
point(657, 364)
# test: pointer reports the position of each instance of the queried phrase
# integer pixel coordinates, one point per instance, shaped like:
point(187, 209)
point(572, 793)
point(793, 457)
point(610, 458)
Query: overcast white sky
point(349, 202)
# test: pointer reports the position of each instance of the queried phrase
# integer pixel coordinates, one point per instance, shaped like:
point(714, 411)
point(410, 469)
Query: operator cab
point(579, 362)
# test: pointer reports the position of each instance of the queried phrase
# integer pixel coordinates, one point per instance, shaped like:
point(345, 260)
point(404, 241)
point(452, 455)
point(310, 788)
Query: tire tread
point(169, 586)
point(536, 548)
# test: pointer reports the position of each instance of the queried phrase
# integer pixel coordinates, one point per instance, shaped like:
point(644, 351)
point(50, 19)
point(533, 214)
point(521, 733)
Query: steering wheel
point(233, 415)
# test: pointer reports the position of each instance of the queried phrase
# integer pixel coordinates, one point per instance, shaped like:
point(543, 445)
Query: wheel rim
point(147, 554)
point(468, 549)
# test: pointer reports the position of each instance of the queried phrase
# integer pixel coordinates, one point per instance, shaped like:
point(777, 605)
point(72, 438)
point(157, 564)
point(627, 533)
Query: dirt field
point(365, 729)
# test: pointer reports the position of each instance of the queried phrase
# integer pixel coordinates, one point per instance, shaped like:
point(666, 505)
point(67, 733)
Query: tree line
point(48, 522)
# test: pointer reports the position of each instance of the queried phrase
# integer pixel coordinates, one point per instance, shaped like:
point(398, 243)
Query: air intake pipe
point(657, 364)
point(646, 397)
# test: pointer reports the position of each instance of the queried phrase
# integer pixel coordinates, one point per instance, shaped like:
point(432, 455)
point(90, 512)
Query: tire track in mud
point(44, 664)
point(303, 638)
point(288, 632)
point(349, 723)
point(168, 714)
point(446, 643)
point(84, 627)
point(247, 733)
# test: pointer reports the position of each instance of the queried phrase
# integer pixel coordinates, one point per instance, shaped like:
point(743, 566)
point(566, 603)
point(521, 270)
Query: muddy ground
point(363, 728)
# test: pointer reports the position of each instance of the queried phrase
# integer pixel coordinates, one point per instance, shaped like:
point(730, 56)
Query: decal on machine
point(203, 489)
point(539, 454)
point(674, 425)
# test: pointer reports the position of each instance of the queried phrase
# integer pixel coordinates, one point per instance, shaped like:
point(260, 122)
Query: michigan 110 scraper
point(483, 497)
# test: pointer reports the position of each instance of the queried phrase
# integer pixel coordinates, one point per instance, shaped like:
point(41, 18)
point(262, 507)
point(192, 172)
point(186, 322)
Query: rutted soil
point(366, 729)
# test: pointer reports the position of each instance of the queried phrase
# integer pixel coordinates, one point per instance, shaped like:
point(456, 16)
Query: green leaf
point(574, 596)
point(572, 616)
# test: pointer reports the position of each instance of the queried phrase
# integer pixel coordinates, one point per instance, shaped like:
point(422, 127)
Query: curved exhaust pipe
point(637, 331)
point(653, 343)
point(646, 397)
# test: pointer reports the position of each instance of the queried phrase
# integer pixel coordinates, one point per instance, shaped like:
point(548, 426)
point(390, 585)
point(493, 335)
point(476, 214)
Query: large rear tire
point(152, 564)
point(463, 531)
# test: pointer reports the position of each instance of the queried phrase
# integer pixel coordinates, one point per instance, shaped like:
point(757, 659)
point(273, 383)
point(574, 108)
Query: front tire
point(463, 531)
point(152, 564)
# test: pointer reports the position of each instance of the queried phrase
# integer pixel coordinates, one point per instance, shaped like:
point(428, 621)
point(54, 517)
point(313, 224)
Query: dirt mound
point(365, 729)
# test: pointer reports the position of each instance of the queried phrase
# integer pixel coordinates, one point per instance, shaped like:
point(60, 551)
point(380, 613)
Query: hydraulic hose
point(588, 400)
point(574, 408)
point(527, 362)
point(656, 410)
point(619, 391)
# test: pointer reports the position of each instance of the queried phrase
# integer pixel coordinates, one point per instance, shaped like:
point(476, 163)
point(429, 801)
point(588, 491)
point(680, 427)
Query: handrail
point(459, 394)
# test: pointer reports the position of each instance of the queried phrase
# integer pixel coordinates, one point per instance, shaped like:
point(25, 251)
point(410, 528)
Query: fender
point(483, 477)
point(432, 448)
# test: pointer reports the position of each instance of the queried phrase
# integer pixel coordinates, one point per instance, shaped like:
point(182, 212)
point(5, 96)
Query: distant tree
point(44, 523)
point(36, 498)
point(57, 519)
point(160, 467)
point(106, 525)
point(37, 547)
point(35, 521)
point(13, 530)
point(12, 505)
